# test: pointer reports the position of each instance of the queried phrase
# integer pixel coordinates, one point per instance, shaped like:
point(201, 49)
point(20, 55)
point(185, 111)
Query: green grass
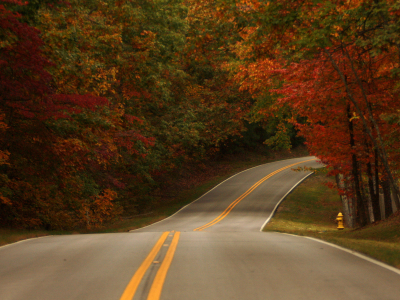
point(223, 169)
point(311, 210)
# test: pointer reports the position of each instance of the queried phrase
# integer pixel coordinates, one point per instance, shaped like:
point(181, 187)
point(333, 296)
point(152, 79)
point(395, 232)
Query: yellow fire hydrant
point(339, 220)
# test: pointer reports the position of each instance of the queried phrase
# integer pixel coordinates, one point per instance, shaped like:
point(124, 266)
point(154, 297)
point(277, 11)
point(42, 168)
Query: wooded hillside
point(102, 101)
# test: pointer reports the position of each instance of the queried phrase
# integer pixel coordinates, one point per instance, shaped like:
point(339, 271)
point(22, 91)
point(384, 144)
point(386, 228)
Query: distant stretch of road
point(211, 249)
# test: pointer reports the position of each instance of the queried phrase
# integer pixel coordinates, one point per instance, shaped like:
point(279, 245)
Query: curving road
point(211, 249)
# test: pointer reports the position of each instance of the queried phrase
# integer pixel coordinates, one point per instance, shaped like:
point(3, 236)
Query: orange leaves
point(69, 147)
point(5, 200)
point(99, 209)
point(248, 5)
point(103, 206)
point(144, 42)
point(4, 157)
point(257, 77)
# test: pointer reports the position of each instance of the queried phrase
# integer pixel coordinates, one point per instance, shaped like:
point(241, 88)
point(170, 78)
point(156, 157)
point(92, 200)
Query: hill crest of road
point(241, 203)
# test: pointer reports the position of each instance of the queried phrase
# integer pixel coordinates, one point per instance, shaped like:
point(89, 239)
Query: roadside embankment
point(188, 184)
point(311, 210)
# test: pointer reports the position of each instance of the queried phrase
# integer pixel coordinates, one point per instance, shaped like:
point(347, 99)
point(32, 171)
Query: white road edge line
point(370, 259)
point(358, 254)
point(283, 198)
point(218, 186)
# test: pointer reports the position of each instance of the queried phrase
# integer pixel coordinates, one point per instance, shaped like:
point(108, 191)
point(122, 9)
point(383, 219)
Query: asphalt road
point(211, 249)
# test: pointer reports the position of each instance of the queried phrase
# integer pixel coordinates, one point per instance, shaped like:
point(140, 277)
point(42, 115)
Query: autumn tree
point(101, 102)
point(334, 64)
point(37, 157)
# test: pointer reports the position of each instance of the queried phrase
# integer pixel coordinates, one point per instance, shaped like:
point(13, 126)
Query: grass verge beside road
point(311, 210)
point(8, 236)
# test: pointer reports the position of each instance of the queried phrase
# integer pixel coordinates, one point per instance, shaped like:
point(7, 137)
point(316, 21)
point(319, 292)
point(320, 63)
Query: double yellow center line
point(236, 202)
point(158, 282)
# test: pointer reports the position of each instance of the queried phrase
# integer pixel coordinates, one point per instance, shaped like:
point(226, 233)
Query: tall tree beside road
point(36, 154)
point(336, 64)
point(100, 102)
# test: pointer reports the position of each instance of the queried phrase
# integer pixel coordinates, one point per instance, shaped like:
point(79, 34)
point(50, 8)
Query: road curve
point(252, 211)
point(211, 249)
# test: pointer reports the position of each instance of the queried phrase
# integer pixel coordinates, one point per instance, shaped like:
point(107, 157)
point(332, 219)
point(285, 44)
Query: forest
point(101, 101)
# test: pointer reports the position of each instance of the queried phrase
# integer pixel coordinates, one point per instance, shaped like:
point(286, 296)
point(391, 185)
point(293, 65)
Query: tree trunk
point(377, 142)
point(393, 195)
point(345, 202)
point(360, 208)
point(366, 198)
point(387, 198)
point(374, 194)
